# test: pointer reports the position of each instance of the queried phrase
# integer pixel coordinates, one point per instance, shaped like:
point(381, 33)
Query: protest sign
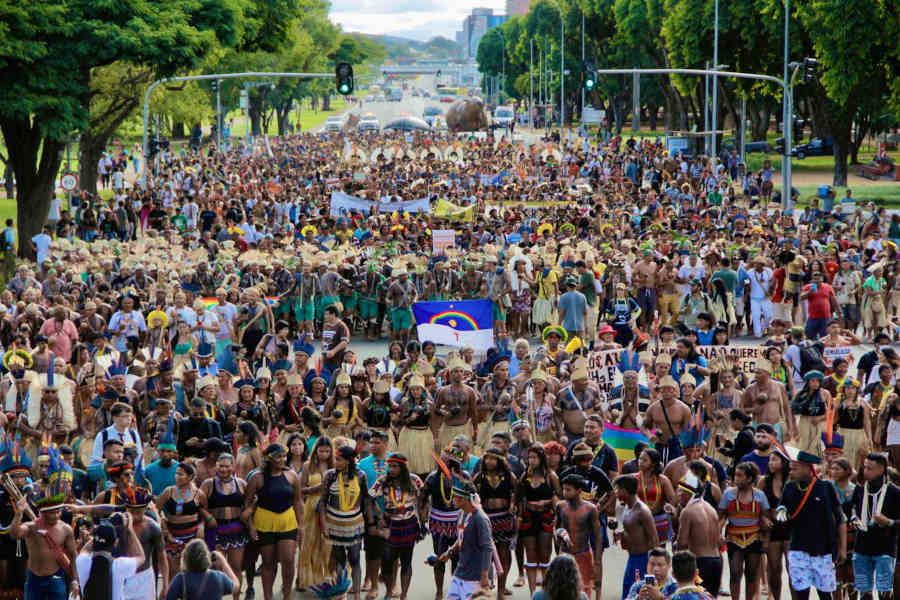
point(441, 239)
point(603, 368)
point(743, 357)
point(832, 354)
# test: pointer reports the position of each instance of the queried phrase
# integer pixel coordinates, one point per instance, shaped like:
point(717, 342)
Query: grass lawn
point(887, 196)
point(309, 119)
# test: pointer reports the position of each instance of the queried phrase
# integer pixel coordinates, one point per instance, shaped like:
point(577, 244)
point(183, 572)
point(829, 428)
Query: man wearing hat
point(456, 404)
point(576, 400)
point(669, 415)
point(767, 400)
point(553, 336)
point(811, 509)
point(573, 309)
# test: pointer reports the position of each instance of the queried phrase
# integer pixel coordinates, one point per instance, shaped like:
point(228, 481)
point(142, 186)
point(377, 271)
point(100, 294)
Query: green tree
point(47, 53)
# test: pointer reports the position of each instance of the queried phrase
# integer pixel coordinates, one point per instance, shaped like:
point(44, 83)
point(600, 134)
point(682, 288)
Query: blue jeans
point(871, 572)
point(816, 328)
point(50, 587)
point(635, 568)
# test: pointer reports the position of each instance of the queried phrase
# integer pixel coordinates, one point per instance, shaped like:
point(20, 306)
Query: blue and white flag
point(462, 323)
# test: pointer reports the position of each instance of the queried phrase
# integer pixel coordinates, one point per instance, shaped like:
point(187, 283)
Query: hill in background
point(403, 50)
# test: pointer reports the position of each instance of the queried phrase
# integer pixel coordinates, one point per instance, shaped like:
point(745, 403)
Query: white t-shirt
point(122, 568)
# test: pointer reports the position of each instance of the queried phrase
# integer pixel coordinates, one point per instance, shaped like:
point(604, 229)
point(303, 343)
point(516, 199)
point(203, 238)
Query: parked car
point(367, 124)
point(815, 147)
point(334, 123)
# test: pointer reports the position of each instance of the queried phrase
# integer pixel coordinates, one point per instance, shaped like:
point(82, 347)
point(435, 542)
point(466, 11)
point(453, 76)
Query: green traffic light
point(344, 88)
point(589, 84)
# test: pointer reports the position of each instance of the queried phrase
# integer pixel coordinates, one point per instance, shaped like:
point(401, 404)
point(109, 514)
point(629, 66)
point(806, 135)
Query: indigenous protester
point(192, 350)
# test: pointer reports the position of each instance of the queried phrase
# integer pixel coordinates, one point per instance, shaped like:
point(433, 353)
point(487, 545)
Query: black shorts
point(374, 546)
point(709, 568)
point(753, 548)
point(267, 538)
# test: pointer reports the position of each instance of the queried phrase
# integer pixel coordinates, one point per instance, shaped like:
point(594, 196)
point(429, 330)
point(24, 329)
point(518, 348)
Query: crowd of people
point(188, 403)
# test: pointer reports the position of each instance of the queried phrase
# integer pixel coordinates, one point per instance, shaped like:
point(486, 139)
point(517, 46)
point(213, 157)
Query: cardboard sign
point(744, 357)
point(832, 354)
point(603, 367)
point(441, 239)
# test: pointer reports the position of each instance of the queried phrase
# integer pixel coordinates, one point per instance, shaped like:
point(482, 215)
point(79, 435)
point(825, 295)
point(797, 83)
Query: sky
point(416, 19)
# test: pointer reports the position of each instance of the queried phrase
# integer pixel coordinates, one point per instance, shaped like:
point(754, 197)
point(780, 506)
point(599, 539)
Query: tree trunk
point(90, 149)
point(254, 122)
point(36, 161)
point(178, 130)
point(326, 102)
point(840, 162)
point(652, 110)
point(668, 109)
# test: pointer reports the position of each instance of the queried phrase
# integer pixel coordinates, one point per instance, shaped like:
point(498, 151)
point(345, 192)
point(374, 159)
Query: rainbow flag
point(623, 441)
point(211, 302)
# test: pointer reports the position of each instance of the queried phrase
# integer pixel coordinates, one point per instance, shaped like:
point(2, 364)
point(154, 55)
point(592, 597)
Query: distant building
point(475, 26)
point(517, 7)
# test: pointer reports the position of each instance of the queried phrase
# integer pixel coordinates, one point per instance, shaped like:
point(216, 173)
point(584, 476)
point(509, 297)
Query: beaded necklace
point(346, 503)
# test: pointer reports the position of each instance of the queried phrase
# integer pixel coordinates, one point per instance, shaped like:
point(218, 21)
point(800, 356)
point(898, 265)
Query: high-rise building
point(517, 7)
point(475, 26)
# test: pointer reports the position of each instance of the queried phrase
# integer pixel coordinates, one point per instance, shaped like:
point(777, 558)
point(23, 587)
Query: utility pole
point(219, 113)
point(582, 63)
point(562, 70)
point(787, 118)
point(531, 82)
point(706, 113)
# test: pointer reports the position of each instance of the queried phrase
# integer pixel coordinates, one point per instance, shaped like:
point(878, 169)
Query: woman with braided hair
point(399, 489)
point(345, 511)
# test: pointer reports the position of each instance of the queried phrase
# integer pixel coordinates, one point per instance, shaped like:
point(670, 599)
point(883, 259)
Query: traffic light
point(214, 85)
point(343, 74)
point(810, 66)
point(590, 78)
point(438, 72)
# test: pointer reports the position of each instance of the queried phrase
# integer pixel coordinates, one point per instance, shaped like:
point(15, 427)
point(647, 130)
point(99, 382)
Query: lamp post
point(531, 83)
point(715, 87)
point(787, 121)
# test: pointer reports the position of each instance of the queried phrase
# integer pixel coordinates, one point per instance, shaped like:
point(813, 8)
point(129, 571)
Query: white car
point(334, 123)
point(368, 124)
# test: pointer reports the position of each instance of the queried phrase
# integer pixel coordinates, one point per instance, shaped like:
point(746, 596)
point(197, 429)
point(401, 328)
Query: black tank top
point(540, 493)
point(276, 494)
point(220, 500)
point(487, 492)
point(850, 418)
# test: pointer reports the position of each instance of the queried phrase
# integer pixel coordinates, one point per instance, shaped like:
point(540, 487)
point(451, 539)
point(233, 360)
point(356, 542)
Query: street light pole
point(531, 83)
point(582, 64)
point(706, 112)
point(787, 120)
point(715, 87)
point(562, 69)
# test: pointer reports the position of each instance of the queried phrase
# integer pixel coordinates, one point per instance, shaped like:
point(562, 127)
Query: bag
point(811, 359)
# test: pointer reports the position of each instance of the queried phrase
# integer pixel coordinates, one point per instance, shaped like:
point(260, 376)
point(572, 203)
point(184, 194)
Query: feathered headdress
point(695, 435)
point(60, 481)
point(167, 439)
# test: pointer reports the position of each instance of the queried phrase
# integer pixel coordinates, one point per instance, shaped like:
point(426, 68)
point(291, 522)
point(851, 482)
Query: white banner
point(140, 586)
point(603, 368)
point(410, 206)
point(480, 339)
point(342, 204)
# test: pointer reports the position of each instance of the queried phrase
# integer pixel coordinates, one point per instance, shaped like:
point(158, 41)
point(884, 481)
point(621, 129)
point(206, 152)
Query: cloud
point(417, 19)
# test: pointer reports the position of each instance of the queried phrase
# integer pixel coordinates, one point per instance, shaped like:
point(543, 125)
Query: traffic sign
point(69, 182)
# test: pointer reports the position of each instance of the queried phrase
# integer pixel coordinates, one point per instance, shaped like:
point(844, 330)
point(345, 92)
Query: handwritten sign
point(603, 368)
point(742, 357)
point(441, 239)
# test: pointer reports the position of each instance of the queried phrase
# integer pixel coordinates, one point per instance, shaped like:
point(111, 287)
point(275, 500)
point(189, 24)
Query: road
point(614, 559)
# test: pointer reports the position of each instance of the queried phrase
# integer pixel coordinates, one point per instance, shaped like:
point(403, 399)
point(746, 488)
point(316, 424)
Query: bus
point(449, 94)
